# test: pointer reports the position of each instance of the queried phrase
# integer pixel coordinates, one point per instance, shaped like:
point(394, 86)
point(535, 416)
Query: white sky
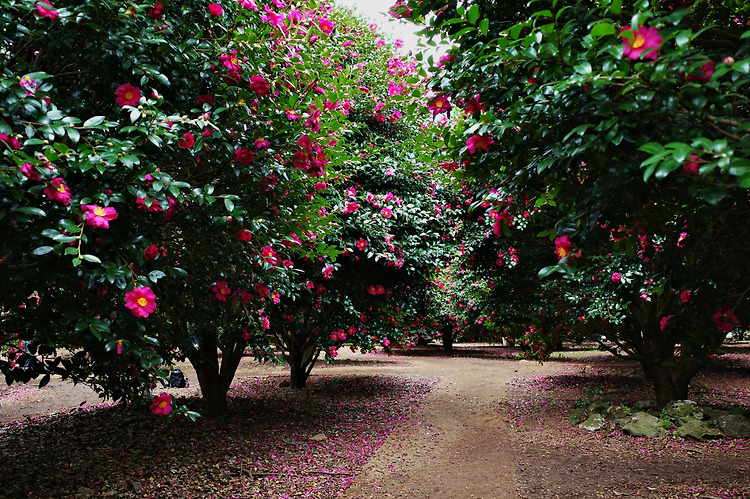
point(377, 11)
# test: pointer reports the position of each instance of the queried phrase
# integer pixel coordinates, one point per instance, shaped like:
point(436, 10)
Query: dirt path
point(457, 446)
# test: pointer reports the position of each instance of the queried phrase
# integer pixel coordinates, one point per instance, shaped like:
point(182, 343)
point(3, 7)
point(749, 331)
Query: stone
point(734, 426)
point(642, 424)
point(697, 430)
point(683, 410)
point(319, 437)
point(597, 407)
point(595, 422)
point(645, 406)
point(617, 412)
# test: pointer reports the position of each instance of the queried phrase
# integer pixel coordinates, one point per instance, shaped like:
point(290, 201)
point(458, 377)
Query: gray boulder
point(617, 412)
point(645, 406)
point(642, 424)
point(697, 430)
point(681, 411)
point(595, 422)
point(734, 426)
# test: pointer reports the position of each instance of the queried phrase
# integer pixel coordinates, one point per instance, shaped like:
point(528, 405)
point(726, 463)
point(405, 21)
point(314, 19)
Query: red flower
point(10, 141)
point(230, 61)
point(58, 191)
point(151, 251)
point(260, 85)
point(692, 167)
point(29, 84)
point(664, 320)
point(205, 99)
point(215, 10)
point(361, 244)
point(725, 319)
point(244, 235)
point(46, 10)
point(707, 71)
point(439, 105)
point(141, 301)
point(187, 141)
point(479, 142)
point(221, 290)
point(474, 106)
point(161, 405)
point(127, 95)
point(156, 12)
point(617, 277)
point(645, 41)
point(244, 156)
point(563, 248)
point(685, 296)
point(386, 212)
point(97, 216)
point(30, 172)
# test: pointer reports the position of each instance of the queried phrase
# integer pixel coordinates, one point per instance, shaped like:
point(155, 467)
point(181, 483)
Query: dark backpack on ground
point(177, 379)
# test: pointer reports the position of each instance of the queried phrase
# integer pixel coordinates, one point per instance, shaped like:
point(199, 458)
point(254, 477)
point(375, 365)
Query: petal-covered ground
point(277, 443)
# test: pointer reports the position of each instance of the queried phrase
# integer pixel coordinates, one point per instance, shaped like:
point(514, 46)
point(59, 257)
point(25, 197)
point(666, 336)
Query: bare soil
point(491, 427)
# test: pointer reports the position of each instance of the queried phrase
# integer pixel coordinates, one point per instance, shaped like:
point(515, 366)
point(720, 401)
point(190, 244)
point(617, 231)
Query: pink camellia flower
point(260, 85)
point(161, 405)
point(351, 207)
point(156, 12)
point(262, 144)
point(215, 9)
point(333, 351)
point(386, 212)
point(248, 4)
point(45, 9)
point(685, 296)
point(326, 25)
point(221, 290)
point(361, 244)
point(244, 235)
point(328, 272)
point(725, 319)
point(645, 42)
point(30, 172)
point(141, 301)
point(230, 61)
point(474, 106)
point(29, 84)
point(275, 297)
point(187, 141)
point(58, 191)
point(97, 216)
point(692, 167)
point(127, 95)
point(151, 251)
point(479, 142)
point(439, 105)
point(205, 99)
point(244, 156)
point(386, 343)
point(616, 277)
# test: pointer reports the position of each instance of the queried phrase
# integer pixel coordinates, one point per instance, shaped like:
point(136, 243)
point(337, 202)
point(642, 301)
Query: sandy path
point(457, 446)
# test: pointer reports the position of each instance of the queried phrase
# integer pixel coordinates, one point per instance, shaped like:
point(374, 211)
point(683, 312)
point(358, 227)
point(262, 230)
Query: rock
point(645, 406)
point(617, 412)
point(596, 407)
point(683, 410)
point(642, 424)
point(319, 437)
point(697, 430)
point(734, 426)
point(595, 422)
point(284, 384)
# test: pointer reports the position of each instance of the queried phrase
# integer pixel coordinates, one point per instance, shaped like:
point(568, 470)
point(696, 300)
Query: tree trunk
point(301, 361)
point(447, 337)
point(671, 379)
point(215, 378)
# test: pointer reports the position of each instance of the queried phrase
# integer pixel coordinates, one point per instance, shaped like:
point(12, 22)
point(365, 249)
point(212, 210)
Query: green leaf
point(584, 68)
point(473, 14)
point(93, 121)
point(91, 258)
point(73, 134)
point(548, 270)
point(229, 204)
point(616, 7)
point(31, 210)
point(484, 26)
point(42, 250)
point(602, 29)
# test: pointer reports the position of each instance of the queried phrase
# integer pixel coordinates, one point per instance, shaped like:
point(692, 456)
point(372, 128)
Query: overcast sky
point(377, 11)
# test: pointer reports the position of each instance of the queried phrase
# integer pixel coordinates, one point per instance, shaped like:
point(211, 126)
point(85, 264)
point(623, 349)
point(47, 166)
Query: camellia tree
point(628, 125)
point(161, 174)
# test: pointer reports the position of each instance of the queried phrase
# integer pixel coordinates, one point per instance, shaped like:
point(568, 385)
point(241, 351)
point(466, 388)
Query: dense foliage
point(620, 133)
